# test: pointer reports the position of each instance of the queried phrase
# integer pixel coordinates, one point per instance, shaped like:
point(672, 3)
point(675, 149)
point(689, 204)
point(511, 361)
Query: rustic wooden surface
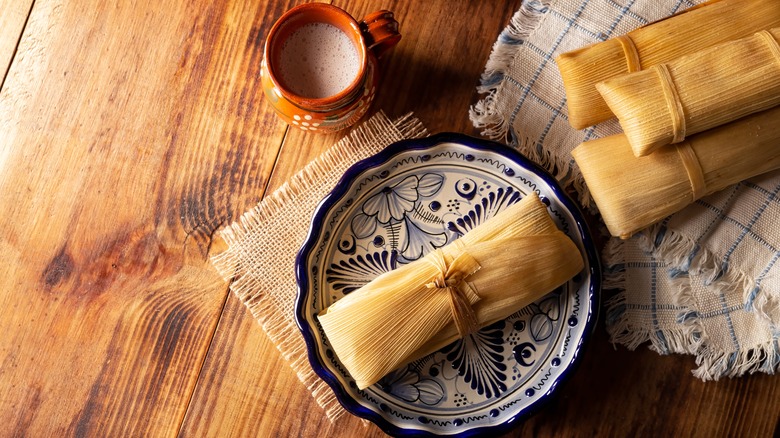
point(129, 133)
point(13, 16)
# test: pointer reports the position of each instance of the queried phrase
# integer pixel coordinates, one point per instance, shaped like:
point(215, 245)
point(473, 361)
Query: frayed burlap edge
point(265, 283)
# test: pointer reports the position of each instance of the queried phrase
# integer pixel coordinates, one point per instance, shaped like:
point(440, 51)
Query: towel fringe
point(620, 325)
point(484, 113)
point(714, 364)
point(686, 257)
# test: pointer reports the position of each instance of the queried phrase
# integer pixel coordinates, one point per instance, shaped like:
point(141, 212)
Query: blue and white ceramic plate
point(393, 208)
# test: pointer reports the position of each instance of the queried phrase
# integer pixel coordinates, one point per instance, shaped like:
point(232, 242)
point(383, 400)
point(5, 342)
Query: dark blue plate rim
point(340, 190)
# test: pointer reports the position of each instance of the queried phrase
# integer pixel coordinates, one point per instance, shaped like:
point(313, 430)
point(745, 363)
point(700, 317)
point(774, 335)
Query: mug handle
point(380, 31)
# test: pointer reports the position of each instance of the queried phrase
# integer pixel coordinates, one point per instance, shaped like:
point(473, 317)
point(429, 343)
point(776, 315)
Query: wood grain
point(616, 392)
point(240, 356)
point(129, 133)
point(13, 17)
point(435, 69)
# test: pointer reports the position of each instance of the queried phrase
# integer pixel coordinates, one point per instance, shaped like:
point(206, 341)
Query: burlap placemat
point(705, 281)
point(263, 243)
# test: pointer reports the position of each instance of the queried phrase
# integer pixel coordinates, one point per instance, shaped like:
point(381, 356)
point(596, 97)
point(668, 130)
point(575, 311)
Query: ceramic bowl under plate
point(391, 209)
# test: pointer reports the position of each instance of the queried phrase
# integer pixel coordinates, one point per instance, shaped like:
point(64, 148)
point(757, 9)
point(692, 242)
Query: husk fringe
point(233, 266)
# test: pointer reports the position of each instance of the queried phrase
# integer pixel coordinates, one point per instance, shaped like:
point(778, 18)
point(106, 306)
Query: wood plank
point(130, 132)
point(617, 392)
point(246, 388)
point(435, 69)
point(13, 16)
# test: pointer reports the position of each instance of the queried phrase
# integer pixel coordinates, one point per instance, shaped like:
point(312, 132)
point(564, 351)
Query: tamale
point(666, 103)
point(688, 32)
point(492, 271)
point(633, 193)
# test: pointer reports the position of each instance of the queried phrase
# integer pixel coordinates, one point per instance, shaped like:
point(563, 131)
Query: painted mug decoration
point(320, 68)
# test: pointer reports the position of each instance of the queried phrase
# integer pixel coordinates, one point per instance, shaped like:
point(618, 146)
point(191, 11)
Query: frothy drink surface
point(318, 60)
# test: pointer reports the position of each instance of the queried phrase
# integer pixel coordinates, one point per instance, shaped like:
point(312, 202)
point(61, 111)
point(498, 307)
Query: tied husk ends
point(687, 32)
point(633, 193)
point(397, 318)
point(668, 102)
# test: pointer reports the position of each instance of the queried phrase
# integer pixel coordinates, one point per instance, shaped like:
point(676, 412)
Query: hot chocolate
point(318, 60)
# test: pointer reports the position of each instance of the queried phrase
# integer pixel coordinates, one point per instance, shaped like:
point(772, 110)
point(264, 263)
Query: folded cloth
point(262, 245)
point(705, 281)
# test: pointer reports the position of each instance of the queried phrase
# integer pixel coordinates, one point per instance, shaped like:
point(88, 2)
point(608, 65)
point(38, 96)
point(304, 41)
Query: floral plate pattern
point(395, 207)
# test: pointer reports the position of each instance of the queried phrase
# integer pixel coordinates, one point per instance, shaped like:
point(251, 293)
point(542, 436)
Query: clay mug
point(320, 69)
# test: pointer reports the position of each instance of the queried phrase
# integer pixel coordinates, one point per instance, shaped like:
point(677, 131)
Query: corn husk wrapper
point(498, 267)
point(635, 192)
point(688, 32)
point(666, 103)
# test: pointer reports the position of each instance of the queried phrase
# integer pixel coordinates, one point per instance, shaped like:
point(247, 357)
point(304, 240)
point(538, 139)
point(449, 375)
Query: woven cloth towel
point(705, 281)
point(263, 243)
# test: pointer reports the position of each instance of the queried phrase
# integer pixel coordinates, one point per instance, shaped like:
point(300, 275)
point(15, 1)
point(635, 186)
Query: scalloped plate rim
point(382, 157)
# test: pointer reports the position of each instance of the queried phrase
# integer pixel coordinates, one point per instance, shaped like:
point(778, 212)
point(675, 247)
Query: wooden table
point(129, 133)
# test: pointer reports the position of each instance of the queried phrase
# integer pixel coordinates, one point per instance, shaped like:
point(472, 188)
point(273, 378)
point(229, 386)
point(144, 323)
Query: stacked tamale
point(693, 30)
point(697, 97)
point(478, 279)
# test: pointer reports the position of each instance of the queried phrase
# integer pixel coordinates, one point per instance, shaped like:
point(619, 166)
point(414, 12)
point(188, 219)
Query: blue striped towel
point(705, 281)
